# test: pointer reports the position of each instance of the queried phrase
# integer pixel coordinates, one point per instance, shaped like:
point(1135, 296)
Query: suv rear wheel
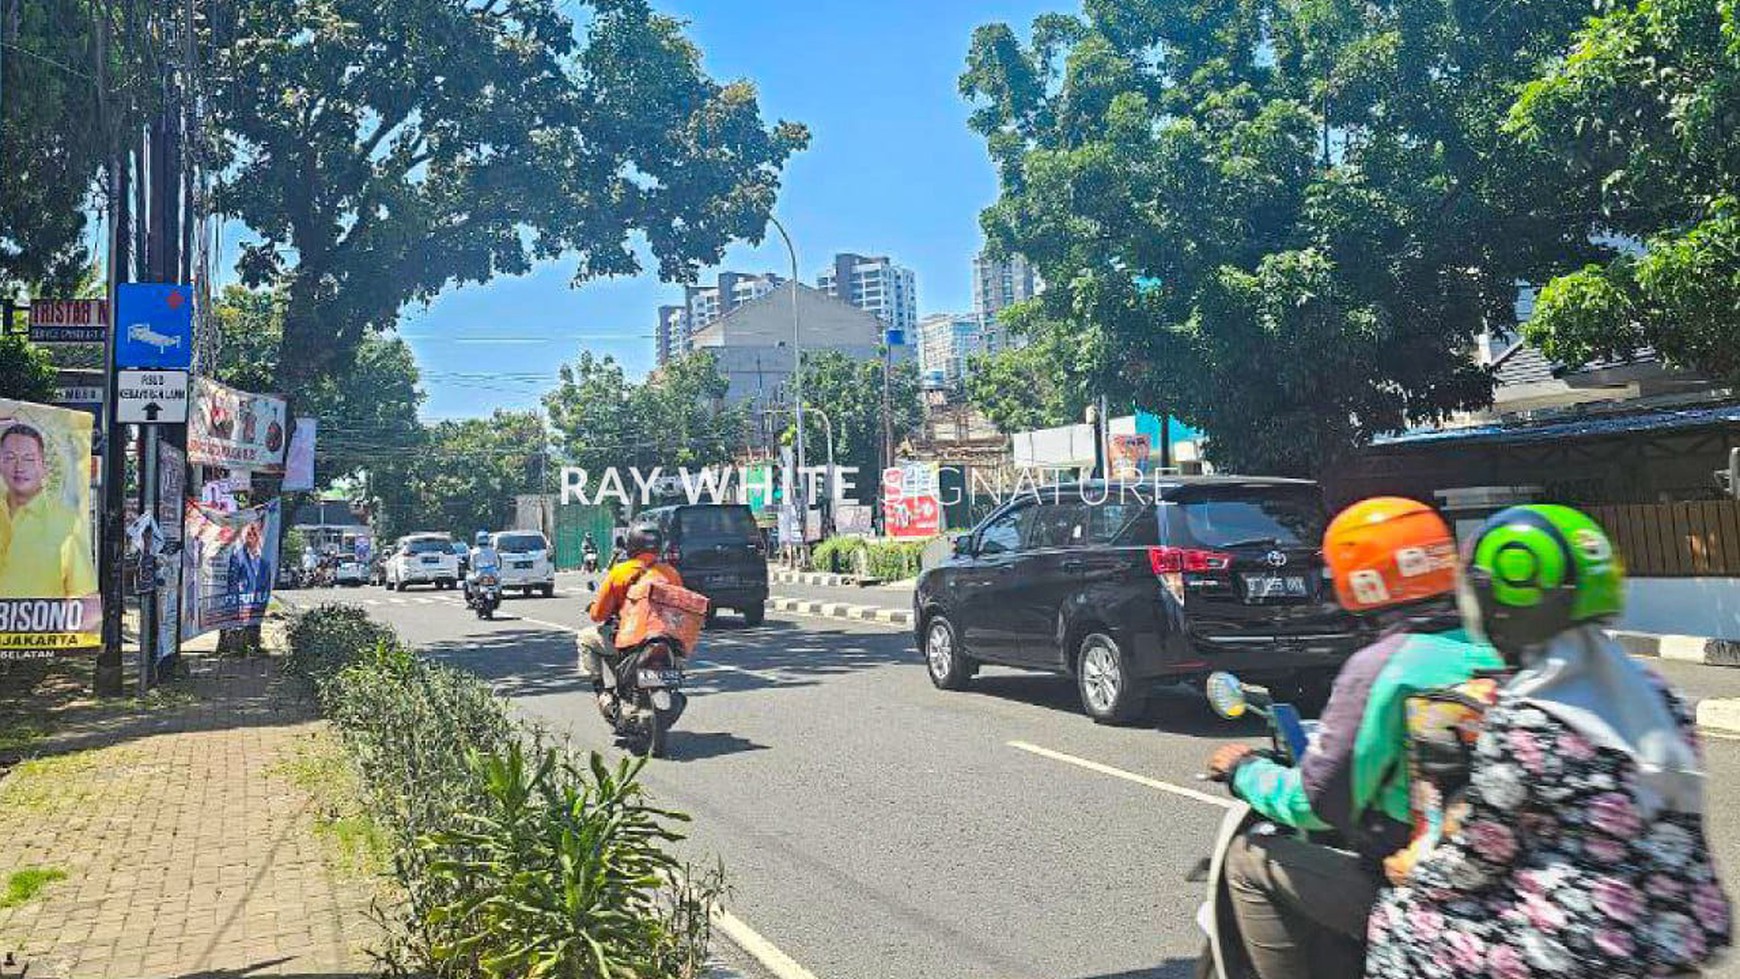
point(1108, 693)
point(949, 668)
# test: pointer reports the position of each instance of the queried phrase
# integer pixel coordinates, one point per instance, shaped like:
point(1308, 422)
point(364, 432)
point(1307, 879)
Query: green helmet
point(1538, 570)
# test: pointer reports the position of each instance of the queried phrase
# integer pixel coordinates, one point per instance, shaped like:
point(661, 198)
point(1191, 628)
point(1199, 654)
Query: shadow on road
point(681, 745)
point(1169, 969)
point(1172, 709)
point(526, 662)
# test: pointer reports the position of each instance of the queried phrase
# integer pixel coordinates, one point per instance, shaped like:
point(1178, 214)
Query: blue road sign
point(153, 326)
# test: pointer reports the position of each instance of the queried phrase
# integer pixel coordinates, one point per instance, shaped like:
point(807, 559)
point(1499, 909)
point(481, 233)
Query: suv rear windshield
point(429, 545)
point(716, 523)
point(1251, 515)
point(520, 543)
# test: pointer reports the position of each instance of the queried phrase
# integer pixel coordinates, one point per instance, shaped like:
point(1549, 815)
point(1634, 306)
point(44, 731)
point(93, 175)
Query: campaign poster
point(49, 599)
point(1129, 456)
point(910, 508)
point(235, 429)
point(232, 562)
point(299, 464)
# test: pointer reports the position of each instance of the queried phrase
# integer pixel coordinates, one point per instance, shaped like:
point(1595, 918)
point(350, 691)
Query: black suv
point(1124, 588)
point(719, 552)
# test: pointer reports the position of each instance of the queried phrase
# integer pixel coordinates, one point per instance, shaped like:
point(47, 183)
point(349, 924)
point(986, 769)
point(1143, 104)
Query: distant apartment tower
point(999, 284)
point(875, 285)
point(945, 343)
point(673, 332)
point(702, 305)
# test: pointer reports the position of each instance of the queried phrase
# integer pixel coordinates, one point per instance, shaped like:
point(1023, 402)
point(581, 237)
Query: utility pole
point(112, 550)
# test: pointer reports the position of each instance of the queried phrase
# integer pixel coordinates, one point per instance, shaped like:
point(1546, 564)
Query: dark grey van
point(718, 550)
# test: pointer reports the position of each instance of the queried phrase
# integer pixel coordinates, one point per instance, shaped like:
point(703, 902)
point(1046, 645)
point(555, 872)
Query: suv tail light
point(1173, 560)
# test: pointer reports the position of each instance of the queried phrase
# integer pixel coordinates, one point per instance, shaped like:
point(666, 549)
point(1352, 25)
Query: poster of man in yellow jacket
point(49, 600)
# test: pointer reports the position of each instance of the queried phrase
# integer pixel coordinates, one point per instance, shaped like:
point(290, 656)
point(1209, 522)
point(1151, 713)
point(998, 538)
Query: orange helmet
point(1389, 551)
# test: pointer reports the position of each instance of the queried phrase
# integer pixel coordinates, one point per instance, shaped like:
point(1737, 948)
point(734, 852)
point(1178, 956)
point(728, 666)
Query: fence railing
point(1675, 540)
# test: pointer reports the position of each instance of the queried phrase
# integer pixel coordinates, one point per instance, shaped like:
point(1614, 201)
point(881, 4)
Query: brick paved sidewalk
point(187, 851)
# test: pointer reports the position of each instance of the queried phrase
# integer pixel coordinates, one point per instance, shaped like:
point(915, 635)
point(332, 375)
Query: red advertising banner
point(910, 507)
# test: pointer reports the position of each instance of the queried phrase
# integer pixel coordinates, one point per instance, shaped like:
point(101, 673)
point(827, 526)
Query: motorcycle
point(645, 687)
point(589, 560)
point(484, 596)
point(1223, 952)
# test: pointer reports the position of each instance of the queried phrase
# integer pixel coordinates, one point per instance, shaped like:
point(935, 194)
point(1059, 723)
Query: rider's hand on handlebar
point(1220, 764)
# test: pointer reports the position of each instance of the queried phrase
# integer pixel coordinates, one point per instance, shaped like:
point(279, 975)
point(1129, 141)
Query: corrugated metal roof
point(1615, 424)
point(1522, 364)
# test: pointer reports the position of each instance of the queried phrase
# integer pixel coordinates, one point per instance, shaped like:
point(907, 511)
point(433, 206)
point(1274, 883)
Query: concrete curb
point(821, 579)
point(1683, 649)
point(841, 610)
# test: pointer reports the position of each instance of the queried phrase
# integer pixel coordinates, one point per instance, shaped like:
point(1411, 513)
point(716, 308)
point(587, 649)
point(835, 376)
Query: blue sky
point(891, 169)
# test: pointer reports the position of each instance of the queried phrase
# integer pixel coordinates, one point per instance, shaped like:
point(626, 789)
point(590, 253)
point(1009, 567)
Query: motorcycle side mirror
point(1226, 695)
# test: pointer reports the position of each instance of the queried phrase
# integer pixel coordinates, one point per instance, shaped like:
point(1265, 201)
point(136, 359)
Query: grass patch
point(78, 778)
point(15, 736)
point(319, 767)
point(27, 883)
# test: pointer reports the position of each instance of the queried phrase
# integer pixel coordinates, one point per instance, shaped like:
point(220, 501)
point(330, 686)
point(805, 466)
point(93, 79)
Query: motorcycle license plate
point(724, 581)
point(670, 679)
point(1262, 587)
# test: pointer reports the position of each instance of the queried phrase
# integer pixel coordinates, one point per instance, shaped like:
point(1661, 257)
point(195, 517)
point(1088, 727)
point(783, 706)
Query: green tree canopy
point(676, 417)
point(1046, 381)
point(464, 476)
point(850, 392)
point(1284, 221)
point(381, 152)
point(26, 372)
point(1645, 113)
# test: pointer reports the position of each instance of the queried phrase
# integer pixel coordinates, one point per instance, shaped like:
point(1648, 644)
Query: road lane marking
point(1152, 783)
point(748, 939)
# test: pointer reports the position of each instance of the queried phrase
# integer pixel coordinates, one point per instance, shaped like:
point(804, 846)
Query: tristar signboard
point(69, 320)
point(235, 429)
point(154, 326)
point(151, 397)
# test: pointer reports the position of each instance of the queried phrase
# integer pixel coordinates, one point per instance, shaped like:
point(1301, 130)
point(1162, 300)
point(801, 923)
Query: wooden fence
point(1675, 540)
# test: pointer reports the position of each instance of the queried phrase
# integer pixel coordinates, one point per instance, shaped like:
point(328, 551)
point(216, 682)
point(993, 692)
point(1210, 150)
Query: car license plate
point(431, 560)
point(669, 679)
point(1261, 587)
point(523, 565)
point(724, 581)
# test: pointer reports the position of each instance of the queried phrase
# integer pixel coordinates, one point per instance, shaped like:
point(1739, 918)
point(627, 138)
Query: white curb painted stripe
point(771, 958)
point(1152, 783)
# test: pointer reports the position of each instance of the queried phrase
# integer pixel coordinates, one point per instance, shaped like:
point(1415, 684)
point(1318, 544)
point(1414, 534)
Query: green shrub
point(326, 639)
point(560, 875)
point(505, 868)
point(838, 555)
point(895, 560)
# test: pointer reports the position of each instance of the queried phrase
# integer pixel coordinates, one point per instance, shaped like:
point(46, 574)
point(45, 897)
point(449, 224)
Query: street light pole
point(797, 380)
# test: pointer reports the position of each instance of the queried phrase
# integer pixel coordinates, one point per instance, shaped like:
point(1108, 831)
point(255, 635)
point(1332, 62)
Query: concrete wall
point(1707, 607)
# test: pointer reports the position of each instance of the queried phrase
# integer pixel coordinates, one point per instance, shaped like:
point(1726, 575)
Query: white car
point(526, 562)
point(423, 559)
point(350, 572)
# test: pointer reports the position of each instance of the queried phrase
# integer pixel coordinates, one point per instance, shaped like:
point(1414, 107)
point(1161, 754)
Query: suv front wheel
point(1108, 693)
point(949, 668)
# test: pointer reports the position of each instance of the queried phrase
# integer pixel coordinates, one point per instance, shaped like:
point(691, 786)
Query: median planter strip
point(1685, 649)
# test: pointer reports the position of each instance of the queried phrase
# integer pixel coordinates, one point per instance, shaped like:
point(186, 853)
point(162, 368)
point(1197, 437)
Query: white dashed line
point(1152, 783)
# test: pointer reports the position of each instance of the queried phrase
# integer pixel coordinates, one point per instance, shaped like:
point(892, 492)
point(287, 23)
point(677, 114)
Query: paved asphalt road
point(874, 827)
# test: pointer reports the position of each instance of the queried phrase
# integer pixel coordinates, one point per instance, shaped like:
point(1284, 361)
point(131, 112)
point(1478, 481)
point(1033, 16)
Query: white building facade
point(946, 341)
point(704, 305)
point(877, 286)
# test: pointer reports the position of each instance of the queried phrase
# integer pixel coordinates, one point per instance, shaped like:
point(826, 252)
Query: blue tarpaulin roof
point(1585, 427)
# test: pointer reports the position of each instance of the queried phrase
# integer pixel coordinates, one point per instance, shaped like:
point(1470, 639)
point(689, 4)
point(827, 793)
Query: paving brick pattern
point(188, 851)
